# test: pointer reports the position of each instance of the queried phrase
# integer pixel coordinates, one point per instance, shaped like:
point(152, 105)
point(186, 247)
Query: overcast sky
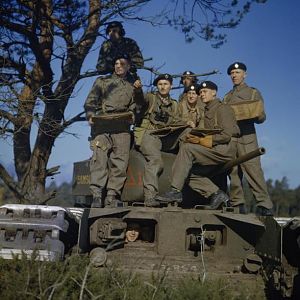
point(267, 41)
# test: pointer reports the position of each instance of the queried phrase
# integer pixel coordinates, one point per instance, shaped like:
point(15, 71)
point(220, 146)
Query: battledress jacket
point(243, 93)
point(192, 157)
point(186, 113)
point(153, 113)
point(219, 115)
point(111, 94)
point(110, 50)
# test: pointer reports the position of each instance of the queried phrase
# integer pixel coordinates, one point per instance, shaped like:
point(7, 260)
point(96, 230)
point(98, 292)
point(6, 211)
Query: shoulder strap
point(103, 106)
point(253, 94)
point(201, 122)
point(152, 104)
point(174, 105)
point(226, 97)
point(215, 117)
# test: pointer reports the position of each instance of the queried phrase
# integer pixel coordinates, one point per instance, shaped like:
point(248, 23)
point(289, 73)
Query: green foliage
point(75, 278)
point(286, 200)
point(63, 195)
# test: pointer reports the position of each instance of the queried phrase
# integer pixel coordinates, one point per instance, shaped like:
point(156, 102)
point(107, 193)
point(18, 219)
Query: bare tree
point(43, 46)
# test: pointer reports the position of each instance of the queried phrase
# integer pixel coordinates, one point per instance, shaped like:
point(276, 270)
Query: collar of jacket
point(119, 78)
point(164, 101)
point(192, 109)
point(209, 105)
point(118, 41)
point(240, 86)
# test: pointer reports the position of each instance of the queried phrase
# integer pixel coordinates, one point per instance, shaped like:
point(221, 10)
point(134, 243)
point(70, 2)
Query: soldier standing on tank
point(207, 151)
point(116, 45)
point(108, 165)
point(247, 142)
point(158, 110)
point(187, 80)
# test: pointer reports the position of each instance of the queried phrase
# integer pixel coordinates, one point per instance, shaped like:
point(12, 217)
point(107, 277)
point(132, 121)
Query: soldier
point(158, 110)
point(115, 46)
point(187, 80)
point(191, 111)
point(110, 145)
point(133, 232)
point(212, 149)
point(246, 143)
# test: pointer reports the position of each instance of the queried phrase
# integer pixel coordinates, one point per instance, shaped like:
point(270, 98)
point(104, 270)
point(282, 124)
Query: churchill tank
point(183, 240)
point(188, 238)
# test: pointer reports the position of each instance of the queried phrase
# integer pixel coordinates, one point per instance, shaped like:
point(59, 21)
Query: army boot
point(240, 207)
point(97, 197)
point(172, 196)
point(151, 202)
point(112, 201)
point(217, 199)
point(263, 211)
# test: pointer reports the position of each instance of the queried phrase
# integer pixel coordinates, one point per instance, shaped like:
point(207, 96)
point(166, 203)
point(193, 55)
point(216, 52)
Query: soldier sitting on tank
point(191, 111)
point(157, 111)
point(207, 151)
point(239, 97)
point(187, 80)
point(110, 96)
point(116, 45)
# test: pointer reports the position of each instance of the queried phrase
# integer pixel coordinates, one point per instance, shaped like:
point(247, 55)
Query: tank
point(180, 240)
point(189, 239)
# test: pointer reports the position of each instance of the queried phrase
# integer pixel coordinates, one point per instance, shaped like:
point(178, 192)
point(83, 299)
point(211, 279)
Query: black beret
point(163, 77)
point(186, 74)
point(208, 85)
point(192, 88)
point(236, 65)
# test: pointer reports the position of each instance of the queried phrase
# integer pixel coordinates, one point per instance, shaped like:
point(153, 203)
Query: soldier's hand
point(90, 121)
point(206, 141)
point(190, 138)
point(191, 124)
point(137, 84)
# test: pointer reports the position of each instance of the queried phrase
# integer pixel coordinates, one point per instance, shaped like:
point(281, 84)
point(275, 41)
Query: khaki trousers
point(253, 173)
point(206, 160)
point(110, 161)
point(151, 149)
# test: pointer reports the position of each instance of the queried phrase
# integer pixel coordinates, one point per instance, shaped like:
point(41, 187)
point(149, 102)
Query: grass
point(76, 278)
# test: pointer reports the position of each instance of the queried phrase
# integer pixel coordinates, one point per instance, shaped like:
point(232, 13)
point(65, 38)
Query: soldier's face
point(187, 81)
point(164, 87)
point(122, 66)
point(206, 95)
point(114, 33)
point(237, 76)
point(192, 97)
point(132, 233)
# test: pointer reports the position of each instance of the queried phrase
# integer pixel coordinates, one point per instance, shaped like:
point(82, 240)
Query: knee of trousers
point(156, 163)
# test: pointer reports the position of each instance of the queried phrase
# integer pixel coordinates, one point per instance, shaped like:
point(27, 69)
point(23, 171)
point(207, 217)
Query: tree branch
point(8, 180)
point(8, 116)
